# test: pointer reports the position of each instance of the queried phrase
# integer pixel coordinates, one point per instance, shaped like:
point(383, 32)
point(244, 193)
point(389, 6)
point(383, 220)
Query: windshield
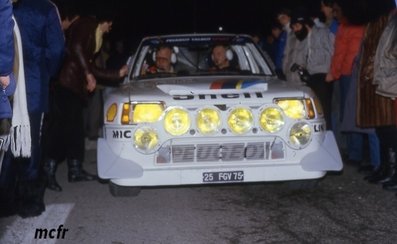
point(199, 55)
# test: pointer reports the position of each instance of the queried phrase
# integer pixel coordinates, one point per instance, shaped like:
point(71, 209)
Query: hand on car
point(91, 82)
point(123, 71)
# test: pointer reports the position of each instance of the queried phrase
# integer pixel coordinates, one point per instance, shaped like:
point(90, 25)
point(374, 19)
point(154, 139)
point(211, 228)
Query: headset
point(173, 54)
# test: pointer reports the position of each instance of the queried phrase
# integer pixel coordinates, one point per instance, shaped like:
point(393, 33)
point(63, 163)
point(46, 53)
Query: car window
point(196, 58)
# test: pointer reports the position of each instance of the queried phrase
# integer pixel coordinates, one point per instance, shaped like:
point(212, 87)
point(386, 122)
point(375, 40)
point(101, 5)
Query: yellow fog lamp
point(208, 121)
point(111, 112)
point(271, 120)
point(146, 139)
point(147, 112)
point(177, 121)
point(300, 134)
point(240, 120)
point(293, 108)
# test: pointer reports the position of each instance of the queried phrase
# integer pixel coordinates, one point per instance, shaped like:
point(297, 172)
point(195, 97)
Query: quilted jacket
point(43, 44)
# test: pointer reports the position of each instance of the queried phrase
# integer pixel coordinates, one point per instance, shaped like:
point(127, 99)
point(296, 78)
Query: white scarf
point(20, 130)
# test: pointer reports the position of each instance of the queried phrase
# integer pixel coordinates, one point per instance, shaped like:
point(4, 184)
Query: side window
point(147, 62)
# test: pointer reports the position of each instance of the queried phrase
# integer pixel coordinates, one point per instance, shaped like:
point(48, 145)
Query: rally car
point(195, 125)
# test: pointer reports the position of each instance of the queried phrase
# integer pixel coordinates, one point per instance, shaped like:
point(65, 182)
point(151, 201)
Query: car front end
point(202, 129)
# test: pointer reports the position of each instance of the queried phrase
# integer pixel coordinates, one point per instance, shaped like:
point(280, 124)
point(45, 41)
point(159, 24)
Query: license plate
point(229, 176)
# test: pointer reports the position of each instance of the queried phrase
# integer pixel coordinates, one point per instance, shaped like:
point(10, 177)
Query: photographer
point(318, 43)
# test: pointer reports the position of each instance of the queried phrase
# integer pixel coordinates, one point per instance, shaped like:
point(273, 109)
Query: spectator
point(6, 69)
point(285, 45)
point(276, 34)
point(7, 81)
point(118, 55)
point(347, 44)
point(374, 110)
point(42, 44)
point(315, 55)
point(258, 40)
point(19, 135)
point(69, 14)
point(385, 76)
point(327, 10)
point(359, 135)
point(78, 78)
point(93, 110)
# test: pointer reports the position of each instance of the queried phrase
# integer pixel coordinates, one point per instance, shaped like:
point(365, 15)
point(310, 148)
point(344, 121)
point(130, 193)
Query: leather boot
point(77, 173)
point(376, 174)
point(391, 184)
point(383, 174)
point(50, 168)
point(387, 170)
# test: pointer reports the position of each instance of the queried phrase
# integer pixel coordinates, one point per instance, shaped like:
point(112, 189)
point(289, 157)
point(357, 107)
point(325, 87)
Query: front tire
point(123, 191)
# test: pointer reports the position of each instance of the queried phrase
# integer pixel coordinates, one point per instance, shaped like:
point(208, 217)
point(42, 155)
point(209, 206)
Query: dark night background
point(136, 19)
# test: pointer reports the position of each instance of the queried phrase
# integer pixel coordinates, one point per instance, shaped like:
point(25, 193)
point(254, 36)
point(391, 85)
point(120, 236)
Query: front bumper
point(124, 166)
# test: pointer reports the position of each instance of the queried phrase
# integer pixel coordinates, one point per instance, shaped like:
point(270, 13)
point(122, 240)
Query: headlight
point(146, 139)
point(300, 134)
point(293, 108)
point(111, 113)
point(208, 121)
point(240, 120)
point(177, 121)
point(147, 112)
point(271, 120)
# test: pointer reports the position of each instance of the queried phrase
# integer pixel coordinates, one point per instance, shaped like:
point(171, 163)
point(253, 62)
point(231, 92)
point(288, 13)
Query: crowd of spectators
point(337, 52)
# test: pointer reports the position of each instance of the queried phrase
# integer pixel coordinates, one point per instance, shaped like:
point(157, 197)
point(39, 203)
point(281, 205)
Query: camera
point(303, 73)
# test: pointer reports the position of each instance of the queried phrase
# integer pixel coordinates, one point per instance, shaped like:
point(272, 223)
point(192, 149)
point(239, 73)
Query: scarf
point(20, 129)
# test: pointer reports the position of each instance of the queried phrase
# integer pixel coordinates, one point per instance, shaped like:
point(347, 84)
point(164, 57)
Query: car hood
point(207, 89)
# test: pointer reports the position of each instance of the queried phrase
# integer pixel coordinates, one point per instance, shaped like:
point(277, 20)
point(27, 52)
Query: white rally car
point(200, 126)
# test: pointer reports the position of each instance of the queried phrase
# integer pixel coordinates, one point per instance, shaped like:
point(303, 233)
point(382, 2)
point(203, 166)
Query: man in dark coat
point(78, 78)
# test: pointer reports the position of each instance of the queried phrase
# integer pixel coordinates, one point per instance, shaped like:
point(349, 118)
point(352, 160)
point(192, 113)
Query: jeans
point(344, 84)
point(355, 143)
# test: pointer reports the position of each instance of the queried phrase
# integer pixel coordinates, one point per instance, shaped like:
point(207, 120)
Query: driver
point(163, 61)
